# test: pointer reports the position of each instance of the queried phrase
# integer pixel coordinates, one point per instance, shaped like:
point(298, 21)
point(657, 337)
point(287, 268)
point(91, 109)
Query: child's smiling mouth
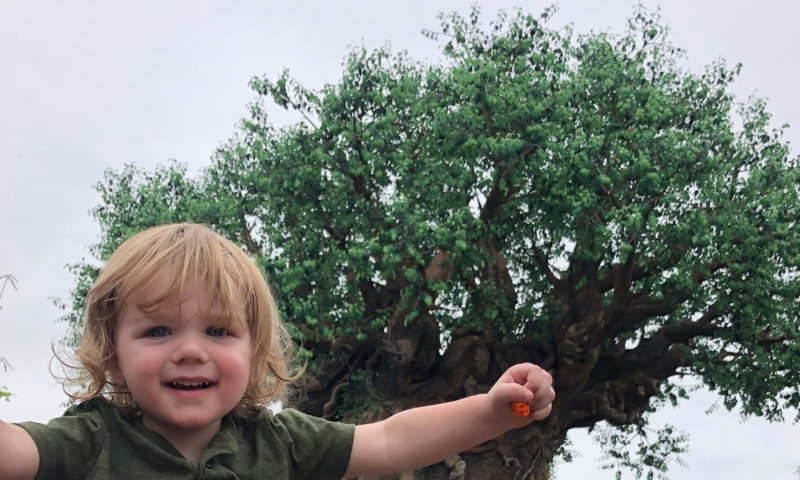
point(190, 385)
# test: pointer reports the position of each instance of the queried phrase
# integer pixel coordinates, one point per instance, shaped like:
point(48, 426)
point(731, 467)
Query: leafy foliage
point(634, 448)
point(580, 202)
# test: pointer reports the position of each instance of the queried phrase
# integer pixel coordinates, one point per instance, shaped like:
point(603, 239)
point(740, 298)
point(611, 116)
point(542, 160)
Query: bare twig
point(5, 280)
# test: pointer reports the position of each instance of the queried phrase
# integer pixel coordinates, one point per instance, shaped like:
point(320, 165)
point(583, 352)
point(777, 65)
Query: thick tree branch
point(607, 282)
point(252, 246)
point(638, 308)
point(441, 267)
point(626, 311)
point(651, 267)
point(653, 350)
point(622, 289)
point(764, 339)
point(544, 267)
point(496, 198)
point(623, 382)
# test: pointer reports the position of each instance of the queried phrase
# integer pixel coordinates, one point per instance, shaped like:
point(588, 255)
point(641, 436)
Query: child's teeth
point(187, 385)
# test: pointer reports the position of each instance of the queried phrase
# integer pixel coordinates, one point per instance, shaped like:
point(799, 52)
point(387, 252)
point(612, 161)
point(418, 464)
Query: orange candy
point(520, 409)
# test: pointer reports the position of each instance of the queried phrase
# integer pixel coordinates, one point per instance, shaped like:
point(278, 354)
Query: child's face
point(184, 369)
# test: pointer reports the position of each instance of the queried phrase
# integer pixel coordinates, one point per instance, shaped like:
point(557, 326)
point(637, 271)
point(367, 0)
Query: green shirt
point(93, 440)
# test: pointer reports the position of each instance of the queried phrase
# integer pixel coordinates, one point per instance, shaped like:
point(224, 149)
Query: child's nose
point(189, 348)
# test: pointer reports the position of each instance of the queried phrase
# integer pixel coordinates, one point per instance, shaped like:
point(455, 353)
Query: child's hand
point(525, 383)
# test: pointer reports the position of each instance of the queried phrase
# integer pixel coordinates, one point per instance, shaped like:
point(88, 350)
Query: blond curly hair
point(184, 252)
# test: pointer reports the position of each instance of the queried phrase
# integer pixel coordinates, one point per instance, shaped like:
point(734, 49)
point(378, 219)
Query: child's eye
point(158, 332)
point(217, 331)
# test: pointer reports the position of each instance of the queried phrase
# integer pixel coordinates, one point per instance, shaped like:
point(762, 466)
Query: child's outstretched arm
point(19, 457)
point(422, 436)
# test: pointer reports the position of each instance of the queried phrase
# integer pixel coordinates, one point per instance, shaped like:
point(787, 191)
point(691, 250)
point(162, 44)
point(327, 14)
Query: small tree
point(581, 203)
point(4, 281)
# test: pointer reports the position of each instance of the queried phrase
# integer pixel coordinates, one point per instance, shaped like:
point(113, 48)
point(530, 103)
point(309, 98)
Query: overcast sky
point(87, 86)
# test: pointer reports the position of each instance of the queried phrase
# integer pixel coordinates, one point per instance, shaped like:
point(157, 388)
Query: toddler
point(181, 352)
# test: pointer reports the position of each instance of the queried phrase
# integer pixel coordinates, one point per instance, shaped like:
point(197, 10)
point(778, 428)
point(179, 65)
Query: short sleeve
point(319, 449)
point(69, 446)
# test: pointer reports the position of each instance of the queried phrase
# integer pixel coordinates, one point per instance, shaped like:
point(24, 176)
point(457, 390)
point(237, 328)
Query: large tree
point(580, 202)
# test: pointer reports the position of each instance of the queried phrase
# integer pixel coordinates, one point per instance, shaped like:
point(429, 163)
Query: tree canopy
point(578, 201)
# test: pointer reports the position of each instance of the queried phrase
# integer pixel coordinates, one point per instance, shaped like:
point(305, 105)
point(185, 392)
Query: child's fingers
point(513, 392)
point(526, 374)
point(543, 398)
point(537, 379)
point(542, 413)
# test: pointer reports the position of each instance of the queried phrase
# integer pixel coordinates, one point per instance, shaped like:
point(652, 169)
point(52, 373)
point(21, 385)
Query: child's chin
point(189, 421)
